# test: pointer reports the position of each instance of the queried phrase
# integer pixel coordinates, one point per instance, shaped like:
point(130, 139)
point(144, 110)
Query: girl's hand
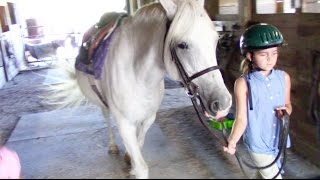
point(280, 113)
point(231, 148)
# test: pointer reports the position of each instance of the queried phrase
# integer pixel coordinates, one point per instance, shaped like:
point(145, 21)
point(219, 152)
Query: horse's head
point(190, 54)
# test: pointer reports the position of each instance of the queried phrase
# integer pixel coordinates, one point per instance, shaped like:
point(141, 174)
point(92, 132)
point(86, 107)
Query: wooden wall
point(301, 31)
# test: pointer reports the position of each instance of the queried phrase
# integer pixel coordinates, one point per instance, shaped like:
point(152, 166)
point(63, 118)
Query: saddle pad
point(91, 59)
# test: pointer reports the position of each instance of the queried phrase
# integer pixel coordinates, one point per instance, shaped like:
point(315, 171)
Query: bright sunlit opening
point(63, 16)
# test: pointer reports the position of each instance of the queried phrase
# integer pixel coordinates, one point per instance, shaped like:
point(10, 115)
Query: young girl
point(9, 164)
point(260, 93)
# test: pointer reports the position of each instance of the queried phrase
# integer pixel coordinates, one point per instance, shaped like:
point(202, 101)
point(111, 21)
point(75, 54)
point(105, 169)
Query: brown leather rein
point(192, 90)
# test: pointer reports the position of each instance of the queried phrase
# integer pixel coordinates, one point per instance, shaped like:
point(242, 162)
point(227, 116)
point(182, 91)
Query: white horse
point(175, 37)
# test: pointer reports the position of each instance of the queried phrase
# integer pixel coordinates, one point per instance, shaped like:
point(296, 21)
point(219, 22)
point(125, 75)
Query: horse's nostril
point(214, 107)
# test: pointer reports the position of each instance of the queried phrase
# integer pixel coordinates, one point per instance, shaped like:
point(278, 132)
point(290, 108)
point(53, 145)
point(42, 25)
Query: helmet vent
point(265, 37)
point(269, 37)
point(276, 35)
point(273, 35)
point(262, 37)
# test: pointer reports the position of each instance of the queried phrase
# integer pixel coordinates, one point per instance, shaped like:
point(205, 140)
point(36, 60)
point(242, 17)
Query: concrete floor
point(72, 143)
point(62, 145)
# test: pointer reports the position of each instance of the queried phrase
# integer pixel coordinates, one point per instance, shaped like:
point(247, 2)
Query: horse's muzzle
point(220, 107)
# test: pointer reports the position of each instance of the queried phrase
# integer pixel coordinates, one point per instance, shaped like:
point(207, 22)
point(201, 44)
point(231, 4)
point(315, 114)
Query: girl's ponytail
point(246, 66)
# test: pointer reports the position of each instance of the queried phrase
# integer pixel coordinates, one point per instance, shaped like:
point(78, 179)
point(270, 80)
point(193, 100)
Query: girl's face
point(265, 59)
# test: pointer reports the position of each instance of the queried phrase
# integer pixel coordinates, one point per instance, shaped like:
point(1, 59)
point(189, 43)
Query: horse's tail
point(67, 92)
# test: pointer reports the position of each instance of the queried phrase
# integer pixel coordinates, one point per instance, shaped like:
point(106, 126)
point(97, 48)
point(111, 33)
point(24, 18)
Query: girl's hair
point(246, 66)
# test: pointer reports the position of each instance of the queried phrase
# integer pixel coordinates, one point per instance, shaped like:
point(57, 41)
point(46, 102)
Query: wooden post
point(128, 6)
point(242, 13)
point(212, 8)
point(139, 3)
point(132, 6)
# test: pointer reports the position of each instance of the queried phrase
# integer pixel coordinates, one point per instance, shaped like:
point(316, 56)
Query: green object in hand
point(226, 123)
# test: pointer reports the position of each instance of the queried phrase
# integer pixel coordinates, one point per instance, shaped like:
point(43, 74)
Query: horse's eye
point(183, 45)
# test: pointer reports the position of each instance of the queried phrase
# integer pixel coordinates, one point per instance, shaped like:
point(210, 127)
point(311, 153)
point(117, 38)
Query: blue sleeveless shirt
point(263, 128)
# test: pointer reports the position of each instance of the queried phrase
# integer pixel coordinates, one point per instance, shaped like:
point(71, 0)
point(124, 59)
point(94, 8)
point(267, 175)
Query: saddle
point(93, 37)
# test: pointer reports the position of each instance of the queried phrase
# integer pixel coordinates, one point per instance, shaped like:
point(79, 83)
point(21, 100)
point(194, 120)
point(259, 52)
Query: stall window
point(228, 7)
point(275, 6)
point(311, 6)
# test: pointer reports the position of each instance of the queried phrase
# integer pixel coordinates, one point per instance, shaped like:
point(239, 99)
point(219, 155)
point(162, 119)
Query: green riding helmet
point(260, 36)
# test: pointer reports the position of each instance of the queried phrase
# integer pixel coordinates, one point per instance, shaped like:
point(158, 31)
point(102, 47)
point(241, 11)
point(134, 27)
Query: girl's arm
point(240, 124)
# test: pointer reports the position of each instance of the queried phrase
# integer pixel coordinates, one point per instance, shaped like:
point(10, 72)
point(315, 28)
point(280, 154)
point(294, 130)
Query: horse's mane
point(152, 14)
point(186, 16)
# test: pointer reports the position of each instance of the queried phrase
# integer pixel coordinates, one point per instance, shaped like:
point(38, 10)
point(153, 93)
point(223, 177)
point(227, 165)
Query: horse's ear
point(170, 6)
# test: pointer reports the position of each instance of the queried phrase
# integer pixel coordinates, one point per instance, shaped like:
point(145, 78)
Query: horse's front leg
point(142, 131)
point(128, 132)
point(113, 147)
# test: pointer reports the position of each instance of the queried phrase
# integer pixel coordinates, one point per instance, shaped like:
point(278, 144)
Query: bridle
point(192, 90)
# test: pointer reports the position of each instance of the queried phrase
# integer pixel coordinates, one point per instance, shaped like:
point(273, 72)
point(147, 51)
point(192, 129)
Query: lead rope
point(194, 102)
point(282, 146)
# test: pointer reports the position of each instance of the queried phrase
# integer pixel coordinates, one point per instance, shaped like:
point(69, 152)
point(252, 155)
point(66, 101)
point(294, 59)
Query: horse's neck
point(146, 42)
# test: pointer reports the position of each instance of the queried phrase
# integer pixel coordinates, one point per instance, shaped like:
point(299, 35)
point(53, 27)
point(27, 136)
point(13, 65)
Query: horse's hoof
point(132, 172)
point(113, 149)
point(126, 172)
point(127, 159)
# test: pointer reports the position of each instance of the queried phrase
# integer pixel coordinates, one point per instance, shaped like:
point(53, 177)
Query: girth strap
point(95, 89)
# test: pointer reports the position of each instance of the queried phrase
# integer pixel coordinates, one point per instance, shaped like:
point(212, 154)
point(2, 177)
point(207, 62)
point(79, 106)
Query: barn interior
point(32, 33)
